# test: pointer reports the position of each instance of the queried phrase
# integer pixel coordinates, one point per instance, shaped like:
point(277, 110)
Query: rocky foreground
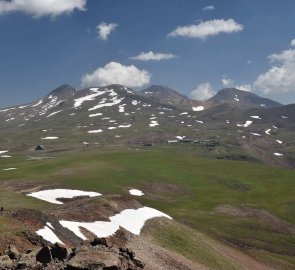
point(98, 255)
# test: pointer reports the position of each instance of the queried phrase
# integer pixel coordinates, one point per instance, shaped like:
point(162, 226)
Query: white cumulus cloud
point(207, 28)
point(116, 73)
point(105, 29)
point(280, 78)
point(227, 82)
point(244, 87)
point(39, 8)
point(152, 56)
point(203, 91)
point(208, 8)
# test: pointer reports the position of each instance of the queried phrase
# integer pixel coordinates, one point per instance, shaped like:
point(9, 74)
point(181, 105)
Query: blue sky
point(212, 45)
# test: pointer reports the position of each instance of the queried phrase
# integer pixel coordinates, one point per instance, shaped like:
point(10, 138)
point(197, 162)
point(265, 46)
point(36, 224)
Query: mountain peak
point(169, 96)
point(159, 88)
point(64, 91)
point(242, 98)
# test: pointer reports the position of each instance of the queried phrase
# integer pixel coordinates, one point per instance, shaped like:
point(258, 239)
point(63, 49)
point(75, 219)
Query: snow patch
point(22, 107)
point(115, 102)
point(50, 138)
point(79, 101)
point(198, 109)
point(256, 134)
point(54, 113)
point(47, 234)
point(278, 154)
point(154, 123)
point(95, 131)
point(247, 124)
point(51, 195)
point(255, 117)
point(125, 126)
point(38, 103)
point(136, 192)
point(130, 219)
point(95, 114)
point(121, 109)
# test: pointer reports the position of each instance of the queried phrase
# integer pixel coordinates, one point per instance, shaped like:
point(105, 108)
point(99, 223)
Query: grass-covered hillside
point(248, 206)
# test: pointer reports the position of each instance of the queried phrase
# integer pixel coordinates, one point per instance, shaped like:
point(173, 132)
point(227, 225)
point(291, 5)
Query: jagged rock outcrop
point(89, 255)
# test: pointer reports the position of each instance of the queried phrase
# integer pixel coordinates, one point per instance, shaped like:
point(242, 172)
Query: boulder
point(5, 262)
point(58, 252)
point(101, 241)
point(44, 255)
point(127, 253)
point(138, 263)
point(12, 252)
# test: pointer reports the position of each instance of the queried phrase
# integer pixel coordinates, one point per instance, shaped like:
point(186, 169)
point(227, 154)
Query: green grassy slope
point(202, 185)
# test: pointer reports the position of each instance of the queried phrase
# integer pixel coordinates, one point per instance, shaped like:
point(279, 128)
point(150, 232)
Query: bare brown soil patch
point(260, 214)
point(157, 257)
point(25, 186)
point(162, 191)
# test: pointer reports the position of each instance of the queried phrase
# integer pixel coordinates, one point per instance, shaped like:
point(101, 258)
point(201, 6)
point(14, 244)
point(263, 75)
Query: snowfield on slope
point(47, 234)
point(130, 219)
point(51, 195)
point(81, 100)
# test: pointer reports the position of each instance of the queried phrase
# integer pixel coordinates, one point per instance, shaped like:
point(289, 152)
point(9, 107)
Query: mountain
point(242, 99)
point(166, 95)
point(64, 91)
point(230, 96)
point(114, 143)
point(115, 114)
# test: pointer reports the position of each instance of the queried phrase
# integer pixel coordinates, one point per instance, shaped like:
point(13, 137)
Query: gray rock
point(5, 262)
point(138, 263)
point(12, 252)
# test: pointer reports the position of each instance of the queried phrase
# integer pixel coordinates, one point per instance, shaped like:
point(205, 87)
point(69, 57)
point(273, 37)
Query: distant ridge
point(242, 98)
point(116, 114)
point(167, 95)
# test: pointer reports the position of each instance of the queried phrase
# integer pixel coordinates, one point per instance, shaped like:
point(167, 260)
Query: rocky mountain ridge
point(116, 114)
point(96, 254)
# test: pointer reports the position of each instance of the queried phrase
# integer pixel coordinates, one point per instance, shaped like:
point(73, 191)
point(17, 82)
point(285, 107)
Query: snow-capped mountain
point(116, 114)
